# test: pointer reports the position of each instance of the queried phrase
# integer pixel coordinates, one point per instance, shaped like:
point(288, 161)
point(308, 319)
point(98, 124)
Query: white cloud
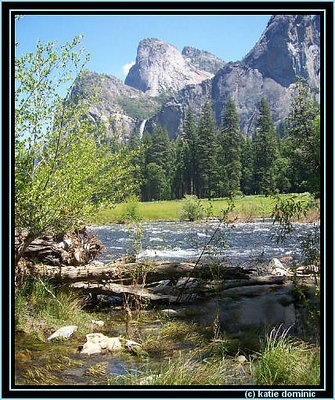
point(127, 67)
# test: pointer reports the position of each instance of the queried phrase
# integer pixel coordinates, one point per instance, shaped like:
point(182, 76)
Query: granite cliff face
point(119, 107)
point(106, 109)
point(288, 47)
point(203, 60)
point(161, 68)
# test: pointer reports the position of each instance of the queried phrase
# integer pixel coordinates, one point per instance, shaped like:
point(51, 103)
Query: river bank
point(178, 349)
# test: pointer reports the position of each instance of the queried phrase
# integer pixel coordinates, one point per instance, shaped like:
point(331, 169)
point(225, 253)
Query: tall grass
point(41, 308)
point(285, 362)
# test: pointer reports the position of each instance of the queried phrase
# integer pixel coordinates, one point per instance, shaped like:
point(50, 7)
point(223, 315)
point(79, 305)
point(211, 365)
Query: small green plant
point(310, 247)
point(133, 304)
point(284, 212)
point(191, 208)
point(130, 212)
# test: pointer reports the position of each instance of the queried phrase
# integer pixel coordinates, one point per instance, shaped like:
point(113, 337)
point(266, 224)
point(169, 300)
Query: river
point(181, 241)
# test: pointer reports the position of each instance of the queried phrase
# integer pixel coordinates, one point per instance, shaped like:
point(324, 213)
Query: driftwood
point(74, 248)
point(114, 289)
point(117, 271)
point(127, 272)
point(170, 293)
point(257, 280)
point(165, 282)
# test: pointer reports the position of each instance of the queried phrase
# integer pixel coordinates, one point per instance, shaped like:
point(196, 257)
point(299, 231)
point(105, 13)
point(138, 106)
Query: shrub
point(130, 211)
point(191, 208)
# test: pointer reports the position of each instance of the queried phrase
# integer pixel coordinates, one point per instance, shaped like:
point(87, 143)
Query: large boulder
point(247, 309)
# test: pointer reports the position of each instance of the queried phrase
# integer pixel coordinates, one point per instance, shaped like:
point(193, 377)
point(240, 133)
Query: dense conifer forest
point(210, 161)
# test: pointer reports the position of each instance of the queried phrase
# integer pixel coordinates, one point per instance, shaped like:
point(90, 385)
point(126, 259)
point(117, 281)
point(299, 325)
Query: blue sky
point(112, 40)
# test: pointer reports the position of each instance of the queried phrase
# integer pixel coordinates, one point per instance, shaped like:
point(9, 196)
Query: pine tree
point(156, 185)
point(146, 142)
point(230, 148)
point(247, 161)
point(138, 160)
point(304, 140)
point(181, 179)
point(207, 153)
point(265, 150)
point(159, 151)
point(191, 137)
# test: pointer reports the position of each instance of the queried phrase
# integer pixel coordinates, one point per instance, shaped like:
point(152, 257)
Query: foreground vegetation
point(246, 209)
point(175, 352)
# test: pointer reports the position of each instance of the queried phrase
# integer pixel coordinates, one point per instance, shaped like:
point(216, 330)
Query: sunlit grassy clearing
point(246, 208)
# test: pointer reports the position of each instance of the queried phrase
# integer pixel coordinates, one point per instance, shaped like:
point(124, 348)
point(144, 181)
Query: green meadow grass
point(246, 208)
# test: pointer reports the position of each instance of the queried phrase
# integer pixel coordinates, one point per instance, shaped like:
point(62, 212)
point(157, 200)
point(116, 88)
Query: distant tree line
point(217, 162)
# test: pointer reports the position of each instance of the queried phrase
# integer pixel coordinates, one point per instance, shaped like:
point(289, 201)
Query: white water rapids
point(180, 241)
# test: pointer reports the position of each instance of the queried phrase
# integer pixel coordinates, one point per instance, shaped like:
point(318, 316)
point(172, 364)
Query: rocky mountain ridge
point(164, 83)
point(288, 47)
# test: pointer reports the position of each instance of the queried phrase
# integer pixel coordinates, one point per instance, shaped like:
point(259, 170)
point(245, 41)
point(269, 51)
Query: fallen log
point(257, 280)
point(114, 289)
point(116, 272)
point(139, 271)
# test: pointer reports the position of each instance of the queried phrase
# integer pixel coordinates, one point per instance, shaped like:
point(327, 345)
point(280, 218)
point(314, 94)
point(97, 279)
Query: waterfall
point(142, 126)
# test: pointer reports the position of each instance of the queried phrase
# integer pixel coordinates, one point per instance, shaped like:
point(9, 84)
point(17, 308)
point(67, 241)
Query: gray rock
point(63, 332)
point(161, 68)
point(97, 323)
point(288, 47)
point(248, 309)
point(203, 60)
point(180, 312)
point(170, 312)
